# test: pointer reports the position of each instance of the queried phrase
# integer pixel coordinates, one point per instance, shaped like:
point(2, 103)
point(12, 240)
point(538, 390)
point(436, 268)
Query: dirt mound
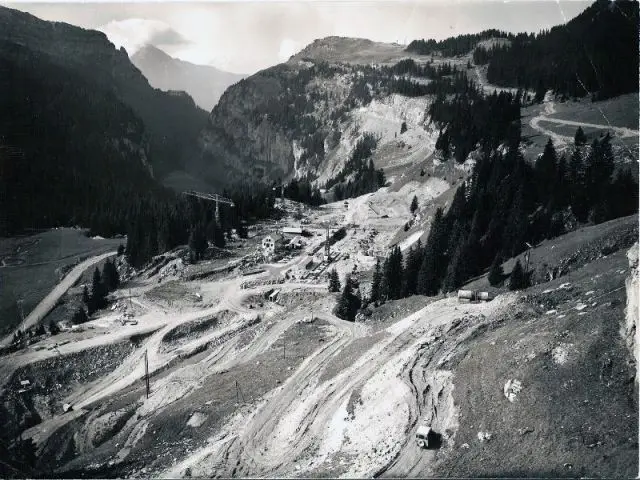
point(189, 331)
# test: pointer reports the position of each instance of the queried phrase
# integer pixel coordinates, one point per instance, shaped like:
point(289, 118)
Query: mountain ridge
point(204, 83)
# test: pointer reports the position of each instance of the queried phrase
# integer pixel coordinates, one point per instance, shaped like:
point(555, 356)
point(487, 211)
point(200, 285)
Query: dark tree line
point(454, 46)
point(442, 86)
point(470, 119)
point(595, 53)
point(506, 203)
point(302, 191)
point(159, 225)
point(409, 67)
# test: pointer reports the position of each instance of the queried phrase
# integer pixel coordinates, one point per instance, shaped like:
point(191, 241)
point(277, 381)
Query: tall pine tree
point(376, 284)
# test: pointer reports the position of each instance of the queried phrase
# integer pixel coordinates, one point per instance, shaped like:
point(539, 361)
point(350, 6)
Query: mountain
point(172, 120)
point(303, 118)
point(84, 138)
point(204, 83)
point(298, 118)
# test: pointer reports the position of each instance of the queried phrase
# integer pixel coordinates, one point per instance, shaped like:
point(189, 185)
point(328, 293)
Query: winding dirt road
point(563, 140)
point(47, 304)
point(300, 428)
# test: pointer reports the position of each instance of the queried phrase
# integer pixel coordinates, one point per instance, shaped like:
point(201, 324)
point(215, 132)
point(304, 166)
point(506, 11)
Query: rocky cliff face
point(254, 129)
point(629, 331)
point(303, 118)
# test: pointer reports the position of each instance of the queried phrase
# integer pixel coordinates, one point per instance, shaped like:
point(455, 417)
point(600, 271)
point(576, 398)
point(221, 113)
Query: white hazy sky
point(246, 36)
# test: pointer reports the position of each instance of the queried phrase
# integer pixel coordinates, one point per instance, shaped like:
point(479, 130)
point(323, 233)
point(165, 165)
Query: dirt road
point(562, 140)
point(47, 304)
point(304, 426)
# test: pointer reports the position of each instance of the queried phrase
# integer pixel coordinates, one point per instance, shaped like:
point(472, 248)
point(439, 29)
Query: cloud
point(288, 48)
point(134, 33)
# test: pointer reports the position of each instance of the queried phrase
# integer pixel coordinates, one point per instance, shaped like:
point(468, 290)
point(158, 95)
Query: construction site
point(237, 366)
point(410, 259)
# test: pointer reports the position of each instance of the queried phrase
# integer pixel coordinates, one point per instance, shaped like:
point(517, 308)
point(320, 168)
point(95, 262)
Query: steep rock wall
point(629, 331)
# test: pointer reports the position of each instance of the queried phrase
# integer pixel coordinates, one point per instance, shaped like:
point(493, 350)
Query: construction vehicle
point(423, 435)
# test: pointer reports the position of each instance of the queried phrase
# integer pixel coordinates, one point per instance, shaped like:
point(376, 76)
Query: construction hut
point(474, 296)
point(273, 296)
point(292, 231)
point(296, 242)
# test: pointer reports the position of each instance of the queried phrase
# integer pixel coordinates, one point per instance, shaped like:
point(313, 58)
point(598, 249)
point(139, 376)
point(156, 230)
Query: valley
point(244, 386)
point(363, 243)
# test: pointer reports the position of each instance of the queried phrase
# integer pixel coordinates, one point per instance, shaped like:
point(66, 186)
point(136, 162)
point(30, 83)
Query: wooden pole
point(146, 371)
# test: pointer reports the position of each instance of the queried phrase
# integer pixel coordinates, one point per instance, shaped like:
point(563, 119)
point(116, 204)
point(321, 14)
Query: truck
point(424, 436)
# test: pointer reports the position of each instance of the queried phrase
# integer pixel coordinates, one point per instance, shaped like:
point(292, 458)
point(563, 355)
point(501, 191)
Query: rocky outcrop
point(629, 330)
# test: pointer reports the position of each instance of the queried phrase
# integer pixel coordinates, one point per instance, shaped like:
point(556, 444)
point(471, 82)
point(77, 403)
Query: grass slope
point(33, 265)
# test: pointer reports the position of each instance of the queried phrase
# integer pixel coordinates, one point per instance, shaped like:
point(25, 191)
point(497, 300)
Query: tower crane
point(212, 197)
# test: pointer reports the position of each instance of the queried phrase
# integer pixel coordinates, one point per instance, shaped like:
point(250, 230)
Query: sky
point(247, 36)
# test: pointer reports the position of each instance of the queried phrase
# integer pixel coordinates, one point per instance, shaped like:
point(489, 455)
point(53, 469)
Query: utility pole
point(146, 371)
point(327, 247)
point(284, 348)
point(239, 393)
point(527, 256)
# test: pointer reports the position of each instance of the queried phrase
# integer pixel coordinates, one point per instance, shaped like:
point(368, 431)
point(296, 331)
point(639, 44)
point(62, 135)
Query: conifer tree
point(580, 138)
point(433, 261)
point(412, 268)
point(98, 292)
point(545, 171)
point(518, 278)
point(53, 328)
point(349, 302)
point(80, 316)
point(376, 284)
point(334, 281)
point(110, 276)
point(414, 205)
point(86, 299)
point(578, 186)
point(496, 274)
point(392, 279)
point(197, 241)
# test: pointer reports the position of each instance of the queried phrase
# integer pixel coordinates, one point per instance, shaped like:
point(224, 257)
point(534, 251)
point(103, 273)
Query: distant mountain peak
point(204, 83)
point(151, 51)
